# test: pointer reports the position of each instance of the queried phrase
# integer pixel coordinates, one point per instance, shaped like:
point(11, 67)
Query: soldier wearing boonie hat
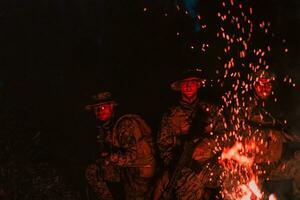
point(268, 134)
point(174, 131)
point(280, 166)
point(189, 75)
point(126, 152)
point(103, 105)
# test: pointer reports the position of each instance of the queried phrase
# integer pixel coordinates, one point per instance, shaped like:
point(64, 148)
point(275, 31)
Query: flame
point(242, 179)
point(248, 194)
point(249, 191)
point(235, 153)
point(254, 189)
point(272, 197)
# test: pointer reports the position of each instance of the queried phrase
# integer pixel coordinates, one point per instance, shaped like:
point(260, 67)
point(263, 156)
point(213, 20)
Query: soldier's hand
point(201, 153)
point(114, 158)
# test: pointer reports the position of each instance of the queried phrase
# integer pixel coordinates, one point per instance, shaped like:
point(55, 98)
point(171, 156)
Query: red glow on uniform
point(189, 88)
point(263, 88)
point(104, 111)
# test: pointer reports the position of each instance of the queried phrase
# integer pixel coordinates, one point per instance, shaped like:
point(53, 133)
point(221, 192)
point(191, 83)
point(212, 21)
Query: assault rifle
point(103, 147)
point(185, 158)
point(195, 134)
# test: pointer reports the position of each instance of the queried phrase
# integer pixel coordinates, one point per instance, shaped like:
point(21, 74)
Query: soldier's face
point(104, 111)
point(263, 88)
point(190, 88)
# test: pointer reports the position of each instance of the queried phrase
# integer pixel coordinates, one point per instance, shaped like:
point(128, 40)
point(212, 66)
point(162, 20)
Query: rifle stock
point(198, 119)
point(185, 158)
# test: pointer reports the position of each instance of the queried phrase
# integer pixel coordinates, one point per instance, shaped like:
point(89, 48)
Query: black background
point(55, 53)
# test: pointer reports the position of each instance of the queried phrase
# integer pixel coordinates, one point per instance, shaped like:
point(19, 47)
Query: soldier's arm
point(216, 120)
point(166, 140)
point(204, 150)
point(128, 152)
point(217, 132)
point(274, 148)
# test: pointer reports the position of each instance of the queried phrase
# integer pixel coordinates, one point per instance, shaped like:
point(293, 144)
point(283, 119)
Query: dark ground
point(55, 53)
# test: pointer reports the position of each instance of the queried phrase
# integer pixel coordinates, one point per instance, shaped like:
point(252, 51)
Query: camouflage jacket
point(177, 120)
point(272, 157)
point(129, 144)
point(269, 139)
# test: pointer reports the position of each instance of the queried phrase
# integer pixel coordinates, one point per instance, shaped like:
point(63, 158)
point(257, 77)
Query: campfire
point(239, 178)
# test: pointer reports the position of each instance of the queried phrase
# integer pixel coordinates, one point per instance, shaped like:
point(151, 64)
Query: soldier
point(270, 155)
point(176, 129)
point(281, 139)
point(260, 119)
point(126, 152)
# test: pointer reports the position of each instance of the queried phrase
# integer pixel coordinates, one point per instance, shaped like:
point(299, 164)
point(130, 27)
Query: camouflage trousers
point(97, 183)
point(193, 185)
point(135, 186)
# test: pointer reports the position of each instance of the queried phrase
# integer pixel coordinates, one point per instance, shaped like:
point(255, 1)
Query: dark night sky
point(56, 52)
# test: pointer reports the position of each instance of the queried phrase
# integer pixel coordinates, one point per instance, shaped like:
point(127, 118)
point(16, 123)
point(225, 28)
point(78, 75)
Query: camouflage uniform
point(196, 177)
point(100, 174)
point(271, 157)
point(130, 159)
